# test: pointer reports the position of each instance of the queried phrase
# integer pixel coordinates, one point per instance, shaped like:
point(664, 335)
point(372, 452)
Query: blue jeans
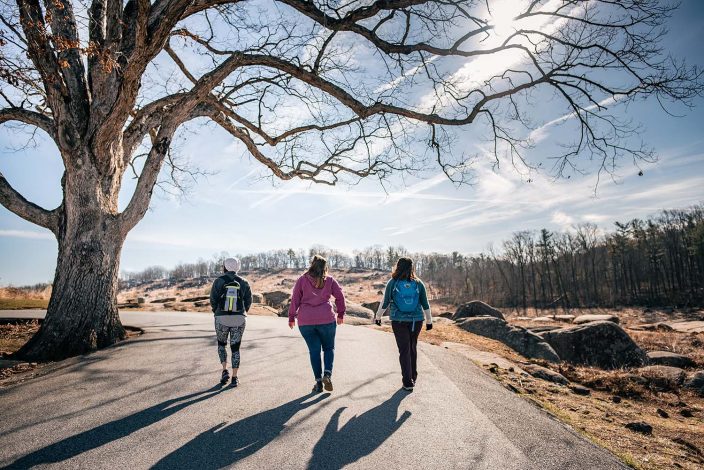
point(320, 337)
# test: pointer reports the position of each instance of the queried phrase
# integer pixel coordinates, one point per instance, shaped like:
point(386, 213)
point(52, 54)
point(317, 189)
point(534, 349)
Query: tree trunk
point(82, 315)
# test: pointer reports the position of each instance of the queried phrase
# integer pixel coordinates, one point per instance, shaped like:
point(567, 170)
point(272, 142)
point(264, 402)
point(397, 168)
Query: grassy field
point(19, 304)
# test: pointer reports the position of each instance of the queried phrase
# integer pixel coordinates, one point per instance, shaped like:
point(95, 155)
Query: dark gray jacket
point(217, 290)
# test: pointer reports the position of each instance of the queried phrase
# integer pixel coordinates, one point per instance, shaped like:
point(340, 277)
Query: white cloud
point(562, 220)
point(27, 234)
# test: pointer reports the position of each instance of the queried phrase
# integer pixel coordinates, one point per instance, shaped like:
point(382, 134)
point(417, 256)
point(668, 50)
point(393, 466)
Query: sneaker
point(327, 382)
point(318, 387)
point(225, 377)
point(235, 381)
point(408, 388)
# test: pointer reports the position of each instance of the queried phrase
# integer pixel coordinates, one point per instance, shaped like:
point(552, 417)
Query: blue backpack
point(406, 295)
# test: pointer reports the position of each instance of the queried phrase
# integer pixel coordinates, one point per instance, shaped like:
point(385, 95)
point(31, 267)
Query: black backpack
point(231, 296)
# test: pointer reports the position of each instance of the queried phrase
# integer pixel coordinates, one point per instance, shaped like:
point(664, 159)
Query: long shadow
point(360, 436)
point(222, 446)
point(112, 431)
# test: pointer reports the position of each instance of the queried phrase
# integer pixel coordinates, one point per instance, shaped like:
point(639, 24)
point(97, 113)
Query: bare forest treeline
point(654, 262)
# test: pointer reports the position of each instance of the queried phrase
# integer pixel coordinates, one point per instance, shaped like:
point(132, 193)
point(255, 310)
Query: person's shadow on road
point(360, 436)
point(224, 445)
point(112, 431)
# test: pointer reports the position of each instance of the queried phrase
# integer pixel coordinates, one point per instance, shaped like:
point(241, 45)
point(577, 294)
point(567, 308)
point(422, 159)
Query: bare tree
point(112, 82)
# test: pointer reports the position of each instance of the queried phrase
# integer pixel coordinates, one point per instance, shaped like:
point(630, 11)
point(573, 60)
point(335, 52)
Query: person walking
point(230, 299)
point(310, 304)
point(405, 295)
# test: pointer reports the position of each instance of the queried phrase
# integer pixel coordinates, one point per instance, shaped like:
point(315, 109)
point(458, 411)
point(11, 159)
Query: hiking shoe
point(327, 382)
point(225, 377)
point(318, 387)
point(235, 381)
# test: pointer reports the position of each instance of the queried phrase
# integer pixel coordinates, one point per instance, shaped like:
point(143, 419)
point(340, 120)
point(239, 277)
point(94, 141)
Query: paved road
point(151, 402)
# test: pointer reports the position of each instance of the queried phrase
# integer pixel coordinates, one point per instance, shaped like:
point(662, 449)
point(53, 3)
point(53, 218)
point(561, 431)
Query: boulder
point(276, 298)
point(373, 306)
point(129, 305)
point(659, 326)
point(695, 326)
point(580, 390)
point(641, 427)
point(283, 312)
point(590, 318)
point(543, 329)
point(600, 343)
point(257, 298)
point(663, 377)
point(551, 318)
point(517, 338)
point(667, 358)
point(477, 308)
point(545, 374)
point(359, 311)
point(696, 382)
point(541, 319)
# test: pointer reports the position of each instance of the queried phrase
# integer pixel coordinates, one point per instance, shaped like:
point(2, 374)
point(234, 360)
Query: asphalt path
point(153, 401)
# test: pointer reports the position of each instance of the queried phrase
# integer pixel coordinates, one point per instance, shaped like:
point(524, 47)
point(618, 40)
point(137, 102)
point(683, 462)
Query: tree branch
point(29, 117)
point(29, 211)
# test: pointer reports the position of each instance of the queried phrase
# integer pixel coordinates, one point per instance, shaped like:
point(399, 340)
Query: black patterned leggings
point(235, 334)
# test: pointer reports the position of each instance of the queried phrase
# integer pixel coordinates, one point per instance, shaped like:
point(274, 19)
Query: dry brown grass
point(14, 335)
point(691, 345)
point(32, 293)
point(15, 298)
point(676, 442)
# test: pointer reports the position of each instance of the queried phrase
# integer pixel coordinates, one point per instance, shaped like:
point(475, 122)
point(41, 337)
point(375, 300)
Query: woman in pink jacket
point(310, 303)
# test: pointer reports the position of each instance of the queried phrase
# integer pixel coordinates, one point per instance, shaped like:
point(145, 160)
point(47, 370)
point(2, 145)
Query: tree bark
point(82, 315)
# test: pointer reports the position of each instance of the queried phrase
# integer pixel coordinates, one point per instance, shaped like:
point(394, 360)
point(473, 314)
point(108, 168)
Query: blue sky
point(422, 213)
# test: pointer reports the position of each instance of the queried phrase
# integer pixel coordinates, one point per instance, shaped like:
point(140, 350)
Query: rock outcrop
point(696, 382)
point(276, 298)
point(552, 318)
point(359, 311)
point(544, 373)
point(197, 299)
point(373, 306)
point(517, 338)
point(601, 343)
point(663, 377)
point(667, 358)
point(477, 308)
point(694, 326)
point(590, 318)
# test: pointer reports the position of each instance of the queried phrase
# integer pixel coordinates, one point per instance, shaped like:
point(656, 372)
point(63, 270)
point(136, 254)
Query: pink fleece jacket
point(312, 306)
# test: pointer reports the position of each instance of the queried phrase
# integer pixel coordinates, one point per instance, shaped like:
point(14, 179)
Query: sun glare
point(503, 16)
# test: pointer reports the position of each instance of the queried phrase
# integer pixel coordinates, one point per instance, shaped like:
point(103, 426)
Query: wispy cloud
point(542, 132)
point(27, 234)
point(160, 240)
point(320, 217)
